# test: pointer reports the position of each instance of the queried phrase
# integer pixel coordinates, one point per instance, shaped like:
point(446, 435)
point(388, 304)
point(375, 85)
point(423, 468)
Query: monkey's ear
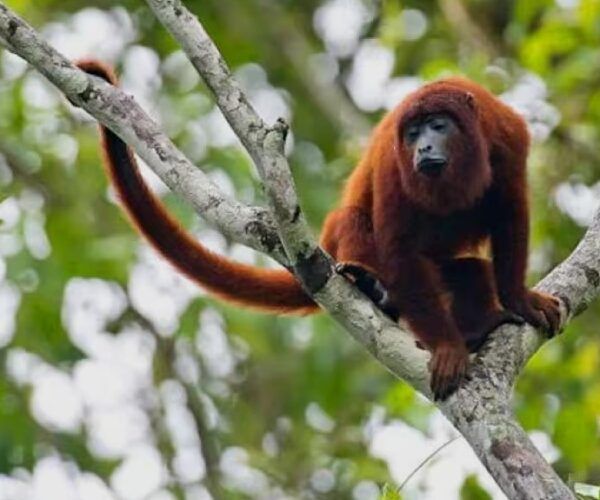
point(469, 100)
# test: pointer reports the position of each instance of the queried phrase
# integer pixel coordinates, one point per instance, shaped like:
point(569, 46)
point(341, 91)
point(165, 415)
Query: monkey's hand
point(538, 309)
point(368, 284)
point(364, 280)
point(448, 366)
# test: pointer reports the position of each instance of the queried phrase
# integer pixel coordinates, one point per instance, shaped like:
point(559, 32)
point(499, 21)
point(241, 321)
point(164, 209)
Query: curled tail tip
point(97, 68)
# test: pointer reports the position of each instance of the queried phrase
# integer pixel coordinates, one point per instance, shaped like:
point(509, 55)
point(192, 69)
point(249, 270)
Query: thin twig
point(425, 460)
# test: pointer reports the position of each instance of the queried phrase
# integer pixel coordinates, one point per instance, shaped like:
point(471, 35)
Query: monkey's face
point(429, 141)
point(443, 161)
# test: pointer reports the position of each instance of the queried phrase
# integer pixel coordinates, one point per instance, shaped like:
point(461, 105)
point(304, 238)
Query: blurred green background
point(122, 380)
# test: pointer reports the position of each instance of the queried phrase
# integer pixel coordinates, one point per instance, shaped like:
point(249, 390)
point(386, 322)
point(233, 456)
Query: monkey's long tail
point(266, 289)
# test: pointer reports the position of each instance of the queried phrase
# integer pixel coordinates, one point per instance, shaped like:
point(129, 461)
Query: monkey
point(442, 179)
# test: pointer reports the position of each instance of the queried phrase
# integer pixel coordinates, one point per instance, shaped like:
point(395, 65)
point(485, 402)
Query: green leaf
point(472, 490)
point(390, 493)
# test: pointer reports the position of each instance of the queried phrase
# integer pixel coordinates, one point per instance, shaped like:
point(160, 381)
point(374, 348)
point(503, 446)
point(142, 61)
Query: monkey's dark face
point(429, 140)
point(443, 160)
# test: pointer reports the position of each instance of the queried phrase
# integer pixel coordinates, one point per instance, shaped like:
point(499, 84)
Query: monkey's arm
point(510, 237)
point(415, 286)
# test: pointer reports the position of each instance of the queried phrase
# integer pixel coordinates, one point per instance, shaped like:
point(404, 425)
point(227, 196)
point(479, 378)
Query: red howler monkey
point(443, 175)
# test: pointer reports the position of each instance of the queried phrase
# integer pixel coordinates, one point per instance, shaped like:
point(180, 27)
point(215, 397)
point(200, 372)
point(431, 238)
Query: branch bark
point(252, 226)
point(481, 409)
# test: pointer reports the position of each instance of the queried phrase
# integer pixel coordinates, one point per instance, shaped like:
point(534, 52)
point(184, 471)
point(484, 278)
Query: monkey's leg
point(509, 236)
point(474, 299)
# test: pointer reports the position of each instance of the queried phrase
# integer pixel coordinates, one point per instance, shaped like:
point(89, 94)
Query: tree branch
point(394, 347)
point(458, 16)
point(117, 110)
point(481, 409)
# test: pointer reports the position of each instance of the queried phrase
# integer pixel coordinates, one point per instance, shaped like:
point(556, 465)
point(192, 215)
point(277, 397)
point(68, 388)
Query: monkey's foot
point(448, 365)
point(476, 337)
point(539, 310)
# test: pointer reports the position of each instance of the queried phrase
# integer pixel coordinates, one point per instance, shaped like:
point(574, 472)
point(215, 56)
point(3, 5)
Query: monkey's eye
point(411, 134)
point(438, 125)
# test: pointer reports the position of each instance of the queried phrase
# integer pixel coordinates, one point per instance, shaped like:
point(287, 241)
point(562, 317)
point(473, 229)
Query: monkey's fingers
point(538, 319)
point(365, 280)
point(444, 384)
point(544, 320)
point(549, 307)
point(353, 272)
point(512, 318)
point(552, 318)
point(552, 315)
point(448, 366)
point(444, 388)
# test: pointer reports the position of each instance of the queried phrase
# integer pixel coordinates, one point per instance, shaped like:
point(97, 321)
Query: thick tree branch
point(481, 409)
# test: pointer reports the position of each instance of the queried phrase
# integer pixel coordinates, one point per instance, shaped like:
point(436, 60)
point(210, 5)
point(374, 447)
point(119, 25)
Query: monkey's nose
point(425, 149)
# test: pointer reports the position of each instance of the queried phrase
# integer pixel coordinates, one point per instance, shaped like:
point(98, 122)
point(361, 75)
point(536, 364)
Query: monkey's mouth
point(431, 167)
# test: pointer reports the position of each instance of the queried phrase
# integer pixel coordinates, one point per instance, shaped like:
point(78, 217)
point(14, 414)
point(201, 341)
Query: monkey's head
point(441, 150)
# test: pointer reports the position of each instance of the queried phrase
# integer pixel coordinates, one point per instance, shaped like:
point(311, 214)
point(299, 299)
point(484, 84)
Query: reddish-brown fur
point(410, 231)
